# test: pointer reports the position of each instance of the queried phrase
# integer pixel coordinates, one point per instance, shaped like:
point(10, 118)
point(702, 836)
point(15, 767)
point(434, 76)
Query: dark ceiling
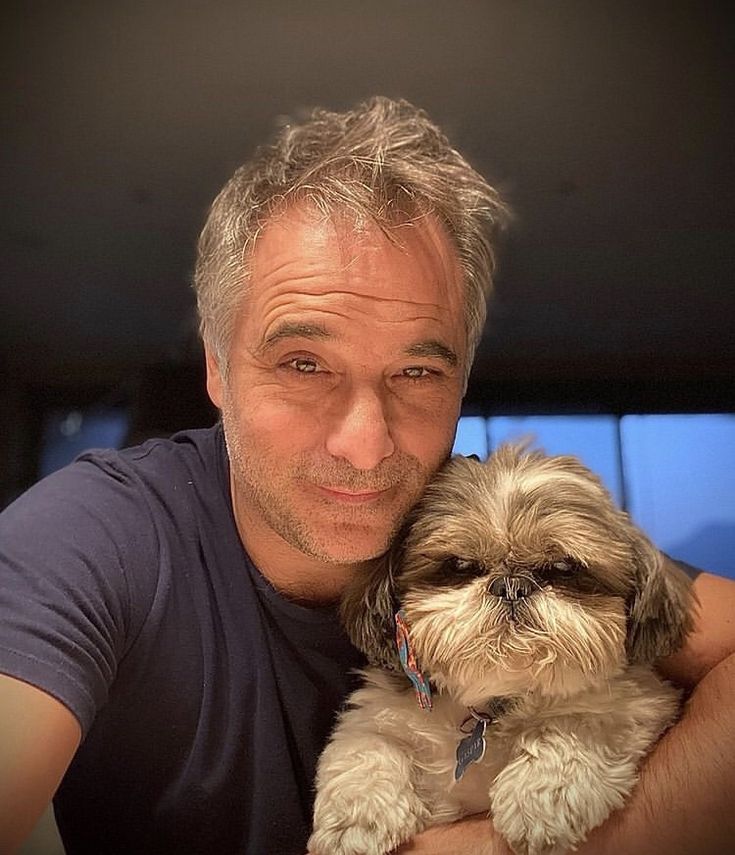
point(607, 124)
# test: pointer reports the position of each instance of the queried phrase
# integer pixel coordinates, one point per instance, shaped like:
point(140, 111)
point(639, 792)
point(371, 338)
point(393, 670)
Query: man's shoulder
point(198, 452)
point(190, 465)
point(88, 552)
point(110, 490)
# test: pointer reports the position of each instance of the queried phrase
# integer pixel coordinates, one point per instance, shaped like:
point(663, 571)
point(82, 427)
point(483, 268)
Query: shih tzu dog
point(526, 609)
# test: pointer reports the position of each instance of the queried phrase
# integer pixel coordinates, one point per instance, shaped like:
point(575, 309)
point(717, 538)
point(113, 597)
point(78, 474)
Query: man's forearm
point(683, 801)
point(682, 804)
point(473, 835)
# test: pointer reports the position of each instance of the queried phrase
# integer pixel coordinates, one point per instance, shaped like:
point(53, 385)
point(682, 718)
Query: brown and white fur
point(520, 580)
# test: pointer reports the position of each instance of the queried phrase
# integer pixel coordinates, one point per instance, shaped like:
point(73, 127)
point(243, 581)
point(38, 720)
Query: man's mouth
point(343, 494)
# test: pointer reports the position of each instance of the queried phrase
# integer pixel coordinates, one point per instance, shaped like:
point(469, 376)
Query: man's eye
point(415, 372)
point(303, 365)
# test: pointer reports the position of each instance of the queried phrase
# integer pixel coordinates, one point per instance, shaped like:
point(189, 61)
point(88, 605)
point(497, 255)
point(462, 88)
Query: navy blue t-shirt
point(204, 696)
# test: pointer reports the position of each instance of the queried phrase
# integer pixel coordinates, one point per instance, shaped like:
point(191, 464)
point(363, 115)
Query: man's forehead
point(316, 276)
point(344, 239)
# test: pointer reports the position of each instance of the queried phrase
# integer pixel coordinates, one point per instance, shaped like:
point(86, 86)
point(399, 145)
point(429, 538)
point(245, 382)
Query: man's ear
point(215, 382)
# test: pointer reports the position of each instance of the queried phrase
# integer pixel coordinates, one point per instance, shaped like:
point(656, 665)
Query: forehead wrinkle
point(380, 299)
point(358, 297)
point(315, 329)
point(358, 251)
point(346, 304)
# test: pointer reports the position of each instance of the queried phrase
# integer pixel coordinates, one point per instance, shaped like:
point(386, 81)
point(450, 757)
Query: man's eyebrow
point(434, 348)
point(294, 329)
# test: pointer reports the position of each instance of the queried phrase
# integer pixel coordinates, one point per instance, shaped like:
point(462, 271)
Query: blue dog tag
point(471, 749)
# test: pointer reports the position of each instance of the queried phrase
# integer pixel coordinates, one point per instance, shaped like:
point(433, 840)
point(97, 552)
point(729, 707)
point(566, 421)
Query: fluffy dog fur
point(519, 580)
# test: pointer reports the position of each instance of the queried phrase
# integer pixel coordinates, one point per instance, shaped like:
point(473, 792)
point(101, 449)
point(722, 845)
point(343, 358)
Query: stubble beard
point(268, 488)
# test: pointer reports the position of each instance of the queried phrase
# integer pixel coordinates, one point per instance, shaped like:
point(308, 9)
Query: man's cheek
point(280, 425)
point(430, 441)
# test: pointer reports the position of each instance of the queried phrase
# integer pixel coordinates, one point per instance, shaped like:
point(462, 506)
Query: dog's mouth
point(511, 617)
point(514, 611)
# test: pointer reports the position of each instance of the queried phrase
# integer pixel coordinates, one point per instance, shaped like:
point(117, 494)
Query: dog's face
point(519, 574)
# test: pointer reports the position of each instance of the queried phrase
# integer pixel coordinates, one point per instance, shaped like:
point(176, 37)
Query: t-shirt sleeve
point(67, 549)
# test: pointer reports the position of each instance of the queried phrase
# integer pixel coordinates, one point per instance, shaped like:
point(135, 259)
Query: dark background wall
point(607, 124)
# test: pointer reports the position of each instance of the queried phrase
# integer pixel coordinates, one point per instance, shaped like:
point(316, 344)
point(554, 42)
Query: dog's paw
point(546, 809)
point(369, 825)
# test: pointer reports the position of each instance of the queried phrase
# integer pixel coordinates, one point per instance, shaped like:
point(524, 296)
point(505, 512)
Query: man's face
point(345, 381)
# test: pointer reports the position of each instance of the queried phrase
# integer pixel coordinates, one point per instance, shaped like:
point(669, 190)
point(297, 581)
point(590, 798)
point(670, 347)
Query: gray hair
point(385, 162)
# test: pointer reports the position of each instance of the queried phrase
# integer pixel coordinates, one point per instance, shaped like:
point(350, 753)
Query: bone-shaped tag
point(471, 749)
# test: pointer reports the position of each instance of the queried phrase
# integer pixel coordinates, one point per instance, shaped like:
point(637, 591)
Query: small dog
point(532, 608)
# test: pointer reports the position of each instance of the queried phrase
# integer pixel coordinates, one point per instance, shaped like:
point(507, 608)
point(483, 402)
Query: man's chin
point(347, 555)
point(350, 546)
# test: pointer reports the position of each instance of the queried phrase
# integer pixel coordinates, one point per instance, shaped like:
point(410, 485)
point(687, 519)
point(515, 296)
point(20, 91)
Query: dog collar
point(409, 663)
point(495, 709)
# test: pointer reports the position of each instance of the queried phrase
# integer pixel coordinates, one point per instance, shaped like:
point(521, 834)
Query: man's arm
point(683, 802)
point(38, 739)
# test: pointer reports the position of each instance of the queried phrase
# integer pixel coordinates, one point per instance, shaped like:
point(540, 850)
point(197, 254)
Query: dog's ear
point(368, 610)
point(660, 609)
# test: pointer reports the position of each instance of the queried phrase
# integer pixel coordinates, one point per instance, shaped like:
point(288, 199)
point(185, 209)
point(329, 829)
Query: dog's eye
point(464, 567)
point(563, 566)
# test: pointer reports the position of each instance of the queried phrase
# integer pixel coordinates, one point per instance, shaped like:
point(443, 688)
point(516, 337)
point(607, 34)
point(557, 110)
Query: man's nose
point(360, 430)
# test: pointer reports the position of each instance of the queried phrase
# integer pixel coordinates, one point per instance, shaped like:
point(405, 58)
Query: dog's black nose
point(511, 587)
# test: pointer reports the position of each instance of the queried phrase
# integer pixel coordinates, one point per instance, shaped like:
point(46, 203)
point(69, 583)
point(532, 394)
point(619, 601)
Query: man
point(168, 636)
